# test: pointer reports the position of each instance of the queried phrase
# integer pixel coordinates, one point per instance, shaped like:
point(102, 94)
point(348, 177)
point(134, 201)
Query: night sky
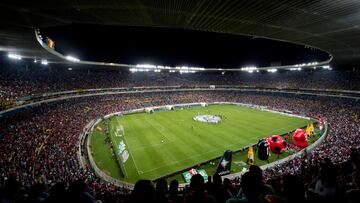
point(174, 47)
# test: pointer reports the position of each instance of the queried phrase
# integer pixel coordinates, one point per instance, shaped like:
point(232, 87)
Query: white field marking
point(161, 131)
point(150, 146)
point(128, 148)
point(271, 132)
point(162, 128)
point(188, 158)
point(191, 157)
point(119, 128)
point(123, 130)
point(155, 145)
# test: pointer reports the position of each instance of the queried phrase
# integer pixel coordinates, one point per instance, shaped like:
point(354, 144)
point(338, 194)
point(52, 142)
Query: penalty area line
point(136, 168)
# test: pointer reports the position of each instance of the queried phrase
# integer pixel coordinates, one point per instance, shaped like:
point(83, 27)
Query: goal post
point(119, 132)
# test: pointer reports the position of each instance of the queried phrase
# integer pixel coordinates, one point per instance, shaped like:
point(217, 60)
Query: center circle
point(208, 118)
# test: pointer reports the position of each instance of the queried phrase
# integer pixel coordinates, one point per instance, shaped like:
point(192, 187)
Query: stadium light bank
point(250, 69)
point(327, 67)
point(272, 70)
point(14, 56)
point(44, 62)
point(160, 68)
point(295, 69)
point(73, 59)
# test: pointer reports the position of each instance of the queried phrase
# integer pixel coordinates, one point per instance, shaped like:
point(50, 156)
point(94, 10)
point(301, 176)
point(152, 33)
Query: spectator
point(265, 189)
point(78, 193)
point(250, 190)
point(198, 193)
point(161, 191)
point(174, 196)
point(143, 192)
point(219, 192)
point(57, 193)
point(229, 188)
point(294, 191)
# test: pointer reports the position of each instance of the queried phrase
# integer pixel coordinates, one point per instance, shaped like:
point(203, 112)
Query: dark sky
point(174, 47)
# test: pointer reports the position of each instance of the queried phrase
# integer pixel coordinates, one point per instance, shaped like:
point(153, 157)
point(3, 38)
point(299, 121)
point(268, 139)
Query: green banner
point(187, 175)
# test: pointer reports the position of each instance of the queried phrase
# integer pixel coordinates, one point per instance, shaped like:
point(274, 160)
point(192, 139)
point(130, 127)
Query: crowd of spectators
point(38, 160)
point(22, 80)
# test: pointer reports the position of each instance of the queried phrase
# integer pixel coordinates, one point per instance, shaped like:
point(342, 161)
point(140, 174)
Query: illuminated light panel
point(71, 58)
point(249, 68)
point(14, 56)
point(44, 62)
point(187, 71)
point(327, 67)
point(273, 70)
point(161, 67)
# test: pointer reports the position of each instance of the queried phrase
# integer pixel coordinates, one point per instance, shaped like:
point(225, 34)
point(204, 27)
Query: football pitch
point(168, 141)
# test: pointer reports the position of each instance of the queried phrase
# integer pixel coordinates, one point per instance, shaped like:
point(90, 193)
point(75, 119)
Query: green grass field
point(165, 142)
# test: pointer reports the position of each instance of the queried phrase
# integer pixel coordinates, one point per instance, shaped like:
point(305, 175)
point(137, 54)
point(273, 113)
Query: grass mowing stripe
point(167, 141)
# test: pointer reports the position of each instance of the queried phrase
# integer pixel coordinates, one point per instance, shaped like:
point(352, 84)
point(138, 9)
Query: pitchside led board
point(188, 174)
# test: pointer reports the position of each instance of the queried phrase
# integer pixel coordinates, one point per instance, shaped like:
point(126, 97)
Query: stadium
point(179, 101)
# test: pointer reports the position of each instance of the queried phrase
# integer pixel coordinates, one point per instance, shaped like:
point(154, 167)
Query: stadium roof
point(333, 26)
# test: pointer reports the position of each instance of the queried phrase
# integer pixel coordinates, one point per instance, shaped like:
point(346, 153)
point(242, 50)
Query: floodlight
point(71, 58)
point(44, 62)
point(327, 67)
point(273, 70)
point(14, 56)
point(145, 66)
point(249, 68)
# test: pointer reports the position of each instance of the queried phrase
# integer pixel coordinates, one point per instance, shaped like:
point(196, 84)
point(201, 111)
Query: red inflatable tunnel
point(277, 144)
point(300, 138)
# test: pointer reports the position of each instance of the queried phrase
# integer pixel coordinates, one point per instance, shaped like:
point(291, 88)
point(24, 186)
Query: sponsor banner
point(125, 156)
point(122, 146)
point(188, 174)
